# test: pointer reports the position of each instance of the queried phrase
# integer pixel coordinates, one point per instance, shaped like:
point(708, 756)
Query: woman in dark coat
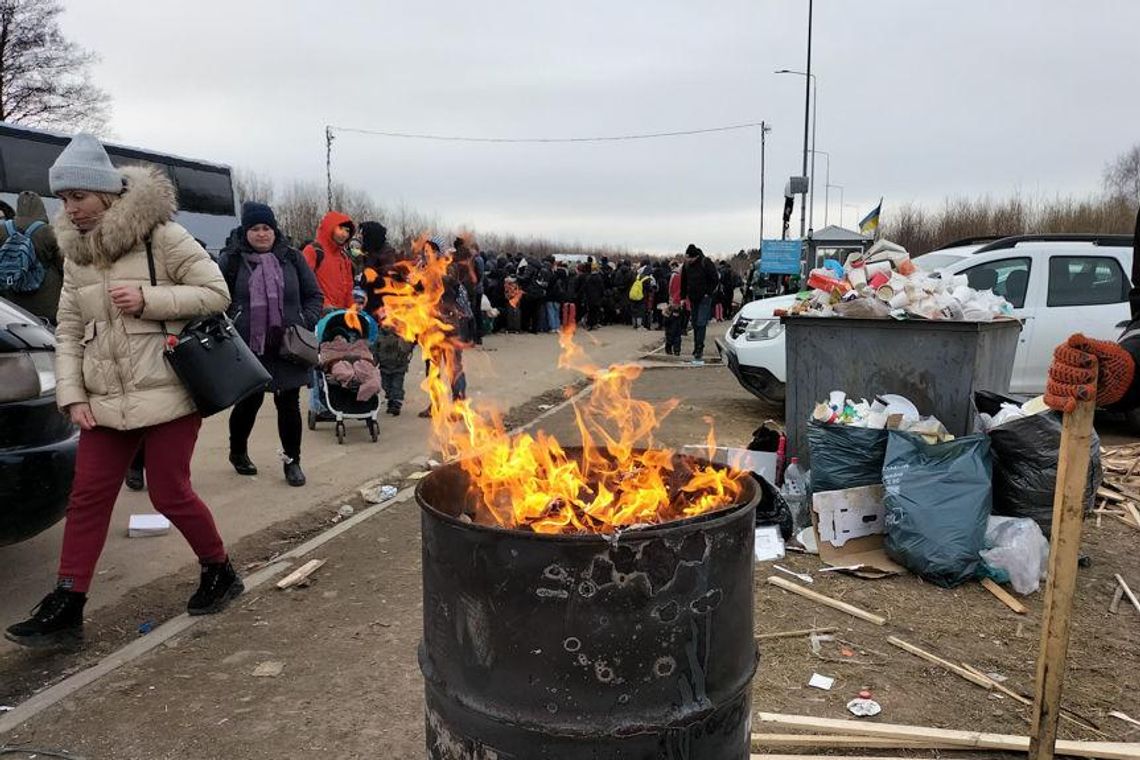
point(272, 288)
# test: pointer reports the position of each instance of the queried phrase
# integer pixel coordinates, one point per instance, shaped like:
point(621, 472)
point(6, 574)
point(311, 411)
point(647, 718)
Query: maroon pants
point(101, 464)
point(569, 313)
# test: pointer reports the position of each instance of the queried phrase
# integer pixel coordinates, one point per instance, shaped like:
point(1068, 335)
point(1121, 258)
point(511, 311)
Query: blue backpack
point(20, 269)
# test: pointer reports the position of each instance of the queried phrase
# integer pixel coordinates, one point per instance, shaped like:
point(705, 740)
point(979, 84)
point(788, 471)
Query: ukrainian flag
point(870, 222)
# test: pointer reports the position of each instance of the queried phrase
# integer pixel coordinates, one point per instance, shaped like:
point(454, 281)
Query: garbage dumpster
point(936, 364)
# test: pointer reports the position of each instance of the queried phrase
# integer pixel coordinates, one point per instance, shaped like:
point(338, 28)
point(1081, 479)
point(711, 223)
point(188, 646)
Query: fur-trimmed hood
point(148, 200)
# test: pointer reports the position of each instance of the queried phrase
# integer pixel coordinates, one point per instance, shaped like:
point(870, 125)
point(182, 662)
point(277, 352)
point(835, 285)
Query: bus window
point(204, 192)
point(26, 163)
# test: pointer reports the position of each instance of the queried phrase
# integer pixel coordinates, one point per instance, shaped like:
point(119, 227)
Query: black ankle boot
point(242, 463)
point(135, 480)
point(218, 585)
point(294, 475)
point(57, 621)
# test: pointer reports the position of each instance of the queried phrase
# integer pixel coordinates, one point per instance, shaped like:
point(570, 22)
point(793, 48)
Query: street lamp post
point(807, 104)
point(764, 130)
point(814, 82)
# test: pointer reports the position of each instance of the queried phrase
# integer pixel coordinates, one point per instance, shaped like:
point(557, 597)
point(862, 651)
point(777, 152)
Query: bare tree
point(1122, 175)
point(44, 78)
point(251, 186)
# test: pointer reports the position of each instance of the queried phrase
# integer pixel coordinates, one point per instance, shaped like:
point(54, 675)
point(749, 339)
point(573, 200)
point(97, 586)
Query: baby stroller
point(344, 346)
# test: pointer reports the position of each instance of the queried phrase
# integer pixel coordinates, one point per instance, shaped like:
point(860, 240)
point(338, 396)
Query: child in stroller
point(348, 380)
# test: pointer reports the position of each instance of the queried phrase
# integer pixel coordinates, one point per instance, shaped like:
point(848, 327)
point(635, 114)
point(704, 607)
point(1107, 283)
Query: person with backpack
point(327, 255)
point(699, 281)
point(330, 261)
point(640, 294)
point(273, 289)
point(113, 379)
point(31, 269)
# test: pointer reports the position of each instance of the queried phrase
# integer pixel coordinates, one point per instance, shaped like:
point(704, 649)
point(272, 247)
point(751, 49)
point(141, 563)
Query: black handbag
point(299, 346)
point(215, 365)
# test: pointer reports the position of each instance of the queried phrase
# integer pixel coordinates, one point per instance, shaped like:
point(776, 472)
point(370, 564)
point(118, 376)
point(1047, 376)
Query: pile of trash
point(888, 411)
point(884, 282)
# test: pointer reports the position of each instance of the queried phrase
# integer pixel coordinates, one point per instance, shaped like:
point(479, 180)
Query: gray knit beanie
point(84, 165)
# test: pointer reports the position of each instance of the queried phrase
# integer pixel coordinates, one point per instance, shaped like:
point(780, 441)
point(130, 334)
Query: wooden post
point(1065, 543)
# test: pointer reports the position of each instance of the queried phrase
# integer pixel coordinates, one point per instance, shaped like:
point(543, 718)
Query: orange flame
point(529, 481)
point(352, 319)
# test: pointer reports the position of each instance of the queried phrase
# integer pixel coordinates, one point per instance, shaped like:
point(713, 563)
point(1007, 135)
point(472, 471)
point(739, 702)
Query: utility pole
point(328, 164)
point(764, 130)
point(807, 114)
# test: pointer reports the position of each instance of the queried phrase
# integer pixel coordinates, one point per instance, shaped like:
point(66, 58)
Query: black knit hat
point(253, 214)
point(692, 250)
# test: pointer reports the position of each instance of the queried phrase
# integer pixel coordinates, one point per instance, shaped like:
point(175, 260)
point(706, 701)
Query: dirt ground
point(349, 685)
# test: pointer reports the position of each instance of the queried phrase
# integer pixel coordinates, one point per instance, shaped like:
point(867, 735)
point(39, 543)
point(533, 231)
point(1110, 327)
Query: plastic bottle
point(795, 493)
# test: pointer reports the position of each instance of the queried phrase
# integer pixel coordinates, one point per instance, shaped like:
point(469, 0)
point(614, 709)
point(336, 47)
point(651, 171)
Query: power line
point(615, 138)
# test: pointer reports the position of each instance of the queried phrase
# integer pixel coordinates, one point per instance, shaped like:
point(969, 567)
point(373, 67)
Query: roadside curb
point(54, 694)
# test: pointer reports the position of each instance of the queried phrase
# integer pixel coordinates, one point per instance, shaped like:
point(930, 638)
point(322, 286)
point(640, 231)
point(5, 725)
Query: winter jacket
point(699, 279)
point(45, 301)
point(594, 288)
point(335, 274)
point(675, 289)
point(393, 353)
point(301, 306)
point(113, 361)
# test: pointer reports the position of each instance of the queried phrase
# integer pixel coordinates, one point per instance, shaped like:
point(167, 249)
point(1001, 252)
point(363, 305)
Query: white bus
point(207, 207)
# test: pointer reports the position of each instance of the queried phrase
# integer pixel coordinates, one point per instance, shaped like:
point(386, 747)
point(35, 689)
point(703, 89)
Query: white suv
point(1058, 285)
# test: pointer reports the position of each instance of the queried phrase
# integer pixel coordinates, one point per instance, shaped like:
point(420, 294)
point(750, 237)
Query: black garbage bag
point(938, 500)
point(844, 456)
point(773, 509)
point(1025, 463)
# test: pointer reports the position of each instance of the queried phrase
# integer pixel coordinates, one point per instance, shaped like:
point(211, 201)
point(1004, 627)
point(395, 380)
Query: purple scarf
point(266, 299)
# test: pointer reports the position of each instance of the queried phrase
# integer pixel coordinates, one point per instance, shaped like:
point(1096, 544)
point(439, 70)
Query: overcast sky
point(918, 100)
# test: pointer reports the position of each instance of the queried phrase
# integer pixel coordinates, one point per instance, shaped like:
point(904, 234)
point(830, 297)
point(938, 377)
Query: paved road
point(509, 370)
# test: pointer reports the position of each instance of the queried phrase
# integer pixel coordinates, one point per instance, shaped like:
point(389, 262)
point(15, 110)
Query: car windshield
point(932, 262)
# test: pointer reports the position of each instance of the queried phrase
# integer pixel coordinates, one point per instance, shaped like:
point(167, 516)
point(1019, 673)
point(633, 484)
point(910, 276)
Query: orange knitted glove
point(1084, 368)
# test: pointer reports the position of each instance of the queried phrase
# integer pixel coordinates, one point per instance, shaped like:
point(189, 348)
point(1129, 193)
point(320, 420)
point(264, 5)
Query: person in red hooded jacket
point(329, 259)
point(1084, 368)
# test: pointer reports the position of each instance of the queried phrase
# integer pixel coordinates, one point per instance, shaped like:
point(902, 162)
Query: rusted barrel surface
point(639, 647)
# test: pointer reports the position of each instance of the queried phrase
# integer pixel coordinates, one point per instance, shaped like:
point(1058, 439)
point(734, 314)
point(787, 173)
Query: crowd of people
point(118, 277)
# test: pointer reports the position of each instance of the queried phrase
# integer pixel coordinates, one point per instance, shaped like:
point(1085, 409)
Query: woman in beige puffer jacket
point(113, 378)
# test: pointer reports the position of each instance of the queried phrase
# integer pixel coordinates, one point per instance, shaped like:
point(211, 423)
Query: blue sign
point(781, 256)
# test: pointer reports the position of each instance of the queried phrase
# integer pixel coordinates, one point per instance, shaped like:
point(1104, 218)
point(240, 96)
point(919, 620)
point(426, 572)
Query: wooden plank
point(1064, 548)
point(825, 600)
point(1107, 495)
point(1127, 521)
point(832, 741)
point(300, 574)
point(1117, 595)
point(1132, 512)
point(794, 634)
point(961, 672)
point(1128, 592)
point(1074, 718)
point(959, 739)
point(1004, 596)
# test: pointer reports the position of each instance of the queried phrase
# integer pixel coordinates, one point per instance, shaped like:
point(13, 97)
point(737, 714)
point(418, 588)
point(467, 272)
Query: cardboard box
point(849, 527)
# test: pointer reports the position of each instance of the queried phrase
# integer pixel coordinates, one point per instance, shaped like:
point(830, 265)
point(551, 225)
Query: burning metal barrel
point(632, 646)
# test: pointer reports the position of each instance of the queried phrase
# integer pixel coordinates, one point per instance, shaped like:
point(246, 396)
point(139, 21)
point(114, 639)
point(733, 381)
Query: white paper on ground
point(141, 526)
point(769, 543)
point(821, 682)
